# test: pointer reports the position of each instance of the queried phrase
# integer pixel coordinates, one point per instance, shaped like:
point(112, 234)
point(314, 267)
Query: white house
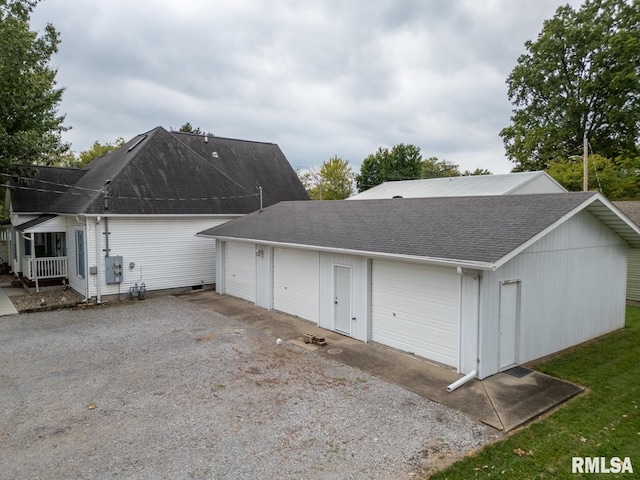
point(131, 217)
point(504, 184)
point(480, 284)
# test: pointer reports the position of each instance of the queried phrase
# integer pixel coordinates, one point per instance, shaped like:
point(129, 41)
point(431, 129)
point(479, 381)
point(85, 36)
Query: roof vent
point(206, 139)
point(214, 154)
point(137, 143)
point(397, 196)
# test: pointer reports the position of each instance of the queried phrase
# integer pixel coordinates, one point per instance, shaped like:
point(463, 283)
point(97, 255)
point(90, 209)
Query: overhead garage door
point(415, 308)
point(240, 270)
point(295, 282)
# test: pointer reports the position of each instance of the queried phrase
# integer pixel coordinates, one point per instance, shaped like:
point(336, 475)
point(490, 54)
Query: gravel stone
point(162, 388)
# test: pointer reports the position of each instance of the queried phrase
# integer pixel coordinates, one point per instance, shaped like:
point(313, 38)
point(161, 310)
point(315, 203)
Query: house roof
point(36, 221)
point(478, 232)
point(503, 184)
point(631, 209)
point(40, 188)
point(165, 173)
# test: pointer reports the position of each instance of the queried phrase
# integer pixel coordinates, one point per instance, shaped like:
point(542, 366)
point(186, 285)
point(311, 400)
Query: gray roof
point(41, 187)
point(631, 209)
point(171, 173)
point(467, 230)
point(502, 184)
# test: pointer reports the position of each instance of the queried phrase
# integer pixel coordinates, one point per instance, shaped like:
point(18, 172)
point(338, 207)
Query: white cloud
point(319, 78)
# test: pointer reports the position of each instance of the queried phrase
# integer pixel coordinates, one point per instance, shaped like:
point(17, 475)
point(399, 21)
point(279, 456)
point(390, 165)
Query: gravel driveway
point(162, 388)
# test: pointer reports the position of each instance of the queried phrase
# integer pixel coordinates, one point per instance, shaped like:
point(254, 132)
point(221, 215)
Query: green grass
point(603, 422)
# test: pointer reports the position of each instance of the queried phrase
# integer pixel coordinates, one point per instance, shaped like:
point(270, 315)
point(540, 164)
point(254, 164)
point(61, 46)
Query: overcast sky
point(318, 77)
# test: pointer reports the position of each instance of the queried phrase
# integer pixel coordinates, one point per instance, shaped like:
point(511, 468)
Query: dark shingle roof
point(41, 187)
point(472, 229)
point(631, 209)
point(162, 173)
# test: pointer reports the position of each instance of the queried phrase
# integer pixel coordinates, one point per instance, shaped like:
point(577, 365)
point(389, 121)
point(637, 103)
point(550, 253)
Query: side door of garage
point(240, 270)
point(416, 308)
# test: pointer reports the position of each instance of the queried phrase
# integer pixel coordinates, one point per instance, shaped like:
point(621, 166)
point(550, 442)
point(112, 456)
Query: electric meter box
point(113, 269)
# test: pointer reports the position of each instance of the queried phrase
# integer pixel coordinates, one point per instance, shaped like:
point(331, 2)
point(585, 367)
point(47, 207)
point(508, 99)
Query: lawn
point(603, 422)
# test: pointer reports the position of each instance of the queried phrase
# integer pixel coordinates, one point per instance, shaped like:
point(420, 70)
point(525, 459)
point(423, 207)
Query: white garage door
point(240, 270)
point(415, 308)
point(295, 282)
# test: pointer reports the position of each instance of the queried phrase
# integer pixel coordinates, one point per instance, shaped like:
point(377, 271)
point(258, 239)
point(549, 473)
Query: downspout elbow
point(461, 381)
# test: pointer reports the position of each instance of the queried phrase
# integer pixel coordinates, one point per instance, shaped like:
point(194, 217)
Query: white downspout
point(86, 256)
point(472, 374)
point(98, 297)
point(34, 265)
point(461, 381)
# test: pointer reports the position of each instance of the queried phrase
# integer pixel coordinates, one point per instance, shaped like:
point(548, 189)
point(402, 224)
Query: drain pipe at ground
point(469, 376)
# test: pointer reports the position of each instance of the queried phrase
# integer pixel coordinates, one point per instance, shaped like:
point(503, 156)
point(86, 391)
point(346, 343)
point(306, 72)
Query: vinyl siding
point(165, 251)
point(633, 275)
point(572, 290)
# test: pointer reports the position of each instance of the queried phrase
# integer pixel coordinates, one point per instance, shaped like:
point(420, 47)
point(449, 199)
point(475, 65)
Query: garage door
point(295, 282)
point(240, 270)
point(415, 308)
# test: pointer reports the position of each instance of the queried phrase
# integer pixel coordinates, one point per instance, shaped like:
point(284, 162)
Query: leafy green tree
point(579, 78)
point(402, 162)
point(334, 181)
point(188, 128)
point(434, 168)
point(30, 126)
point(96, 150)
point(617, 179)
point(477, 171)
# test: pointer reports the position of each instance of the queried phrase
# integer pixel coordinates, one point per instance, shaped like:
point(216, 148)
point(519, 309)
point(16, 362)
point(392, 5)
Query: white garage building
point(480, 284)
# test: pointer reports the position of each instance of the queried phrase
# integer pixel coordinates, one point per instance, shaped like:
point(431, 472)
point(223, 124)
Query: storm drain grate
point(518, 372)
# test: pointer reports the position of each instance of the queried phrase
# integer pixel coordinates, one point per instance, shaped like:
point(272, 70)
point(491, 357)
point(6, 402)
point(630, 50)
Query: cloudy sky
point(319, 77)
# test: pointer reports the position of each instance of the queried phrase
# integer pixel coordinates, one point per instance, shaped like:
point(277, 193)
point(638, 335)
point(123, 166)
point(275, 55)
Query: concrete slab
point(502, 401)
point(511, 396)
point(6, 307)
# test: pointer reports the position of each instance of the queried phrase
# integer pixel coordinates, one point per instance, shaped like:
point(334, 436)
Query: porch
point(44, 261)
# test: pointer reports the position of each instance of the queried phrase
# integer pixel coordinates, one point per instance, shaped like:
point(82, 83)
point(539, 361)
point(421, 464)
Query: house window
point(27, 247)
point(80, 253)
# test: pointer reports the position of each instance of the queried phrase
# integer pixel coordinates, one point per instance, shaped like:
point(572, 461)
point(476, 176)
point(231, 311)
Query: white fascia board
point(444, 262)
point(595, 198)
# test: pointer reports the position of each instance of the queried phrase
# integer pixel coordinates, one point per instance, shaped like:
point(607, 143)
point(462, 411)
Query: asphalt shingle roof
point(168, 173)
point(474, 229)
point(41, 187)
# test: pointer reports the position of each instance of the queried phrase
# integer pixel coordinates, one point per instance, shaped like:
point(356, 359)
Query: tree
point(434, 168)
point(86, 156)
point(617, 179)
point(579, 78)
point(334, 181)
point(30, 126)
point(477, 171)
point(187, 128)
point(402, 162)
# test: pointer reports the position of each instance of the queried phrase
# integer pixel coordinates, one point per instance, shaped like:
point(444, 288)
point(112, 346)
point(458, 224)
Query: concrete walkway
point(6, 307)
point(503, 401)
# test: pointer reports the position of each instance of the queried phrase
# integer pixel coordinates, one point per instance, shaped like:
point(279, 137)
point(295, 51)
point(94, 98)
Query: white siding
point(240, 270)
point(264, 276)
point(633, 275)
point(295, 282)
point(572, 290)
point(166, 252)
point(416, 308)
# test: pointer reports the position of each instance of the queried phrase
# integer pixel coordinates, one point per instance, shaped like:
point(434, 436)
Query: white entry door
point(342, 299)
point(509, 313)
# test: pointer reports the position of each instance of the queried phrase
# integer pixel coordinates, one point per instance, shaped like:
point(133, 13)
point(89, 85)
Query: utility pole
point(585, 161)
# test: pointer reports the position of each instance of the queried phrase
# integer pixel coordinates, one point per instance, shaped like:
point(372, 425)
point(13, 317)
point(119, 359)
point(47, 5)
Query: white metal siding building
point(528, 287)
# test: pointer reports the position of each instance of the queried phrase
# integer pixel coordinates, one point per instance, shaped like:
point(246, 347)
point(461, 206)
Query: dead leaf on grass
point(92, 406)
